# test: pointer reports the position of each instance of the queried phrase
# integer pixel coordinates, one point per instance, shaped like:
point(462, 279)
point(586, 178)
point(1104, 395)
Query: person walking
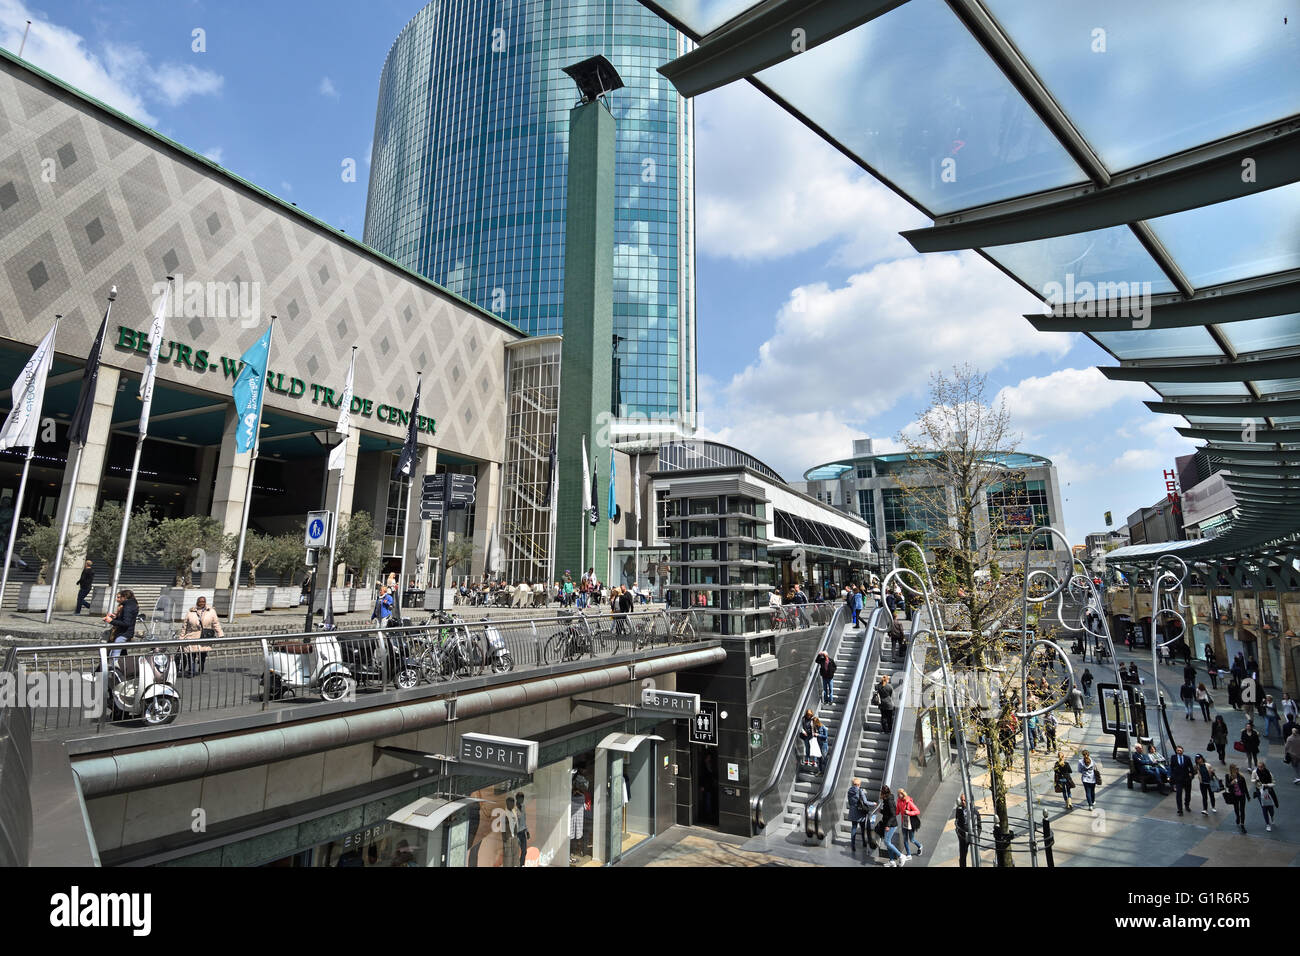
point(1090, 777)
point(1265, 793)
point(806, 733)
point(1271, 723)
point(857, 607)
point(1086, 680)
point(1189, 673)
point(1290, 710)
point(822, 734)
point(1219, 737)
point(1050, 724)
point(84, 585)
point(1209, 781)
point(1076, 705)
point(1291, 753)
point(963, 828)
point(201, 625)
point(848, 605)
point(1236, 791)
point(859, 811)
point(1181, 771)
point(884, 699)
point(826, 667)
point(383, 607)
point(1204, 699)
point(889, 826)
point(1031, 728)
point(909, 821)
point(1062, 782)
point(1213, 671)
point(521, 827)
point(1234, 692)
point(1187, 694)
point(1250, 740)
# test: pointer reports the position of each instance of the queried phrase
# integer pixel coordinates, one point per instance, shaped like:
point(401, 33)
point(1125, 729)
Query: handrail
point(820, 815)
point(781, 762)
point(17, 822)
point(892, 756)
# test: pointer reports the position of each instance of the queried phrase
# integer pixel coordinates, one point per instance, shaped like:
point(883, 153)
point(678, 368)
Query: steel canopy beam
point(1222, 370)
point(754, 42)
point(1212, 306)
point(1234, 433)
point(1205, 176)
point(1246, 409)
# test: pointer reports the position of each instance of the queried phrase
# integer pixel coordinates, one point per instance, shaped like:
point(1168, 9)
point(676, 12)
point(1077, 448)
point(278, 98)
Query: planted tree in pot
point(182, 544)
point(102, 540)
point(357, 549)
point(286, 561)
point(258, 549)
point(40, 542)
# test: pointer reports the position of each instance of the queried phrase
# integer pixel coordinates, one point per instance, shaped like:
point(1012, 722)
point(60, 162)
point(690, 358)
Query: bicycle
point(568, 643)
point(643, 633)
point(683, 631)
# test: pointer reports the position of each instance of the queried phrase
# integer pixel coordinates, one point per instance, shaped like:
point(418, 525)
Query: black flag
point(550, 472)
point(79, 427)
point(410, 451)
point(595, 500)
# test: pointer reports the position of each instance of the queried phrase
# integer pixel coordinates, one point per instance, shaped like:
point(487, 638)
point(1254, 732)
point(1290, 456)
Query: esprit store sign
point(200, 360)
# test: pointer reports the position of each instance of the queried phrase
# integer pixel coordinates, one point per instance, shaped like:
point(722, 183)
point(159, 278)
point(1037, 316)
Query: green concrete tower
point(587, 352)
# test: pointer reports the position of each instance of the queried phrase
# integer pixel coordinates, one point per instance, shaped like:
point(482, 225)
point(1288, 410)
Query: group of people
point(200, 624)
point(883, 818)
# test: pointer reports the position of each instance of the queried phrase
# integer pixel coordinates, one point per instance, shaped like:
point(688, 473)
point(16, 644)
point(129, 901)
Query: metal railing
point(15, 783)
point(231, 675)
point(823, 812)
point(781, 778)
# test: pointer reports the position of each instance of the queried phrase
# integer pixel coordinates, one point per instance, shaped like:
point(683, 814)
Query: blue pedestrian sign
point(318, 529)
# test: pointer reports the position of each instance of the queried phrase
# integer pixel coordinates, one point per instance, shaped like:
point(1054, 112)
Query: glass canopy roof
point(1085, 149)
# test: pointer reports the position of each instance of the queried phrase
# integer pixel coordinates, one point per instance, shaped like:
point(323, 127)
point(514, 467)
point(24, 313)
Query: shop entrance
point(625, 795)
point(704, 771)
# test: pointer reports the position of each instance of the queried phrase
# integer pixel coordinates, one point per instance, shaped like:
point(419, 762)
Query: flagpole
point(135, 467)
point(406, 521)
point(13, 526)
point(76, 471)
point(252, 466)
point(338, 491)
point(552, 461)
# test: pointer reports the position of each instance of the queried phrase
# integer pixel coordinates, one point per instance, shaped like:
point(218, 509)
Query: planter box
point(259, 598)
point(354, 599)
point(243, 603)
point(177, 601)
point(282, 597)
point(33, 597)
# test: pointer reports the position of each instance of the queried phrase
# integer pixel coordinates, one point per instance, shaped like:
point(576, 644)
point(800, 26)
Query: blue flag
point(612, 510)
point(248, 390)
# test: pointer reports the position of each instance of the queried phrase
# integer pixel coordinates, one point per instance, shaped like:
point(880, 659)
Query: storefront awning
point(429, 813)
point(626, 743)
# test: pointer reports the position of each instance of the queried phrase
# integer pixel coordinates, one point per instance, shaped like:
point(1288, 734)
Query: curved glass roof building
point(468, 169)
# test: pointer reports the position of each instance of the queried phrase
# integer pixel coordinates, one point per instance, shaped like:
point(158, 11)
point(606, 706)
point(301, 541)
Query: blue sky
point(817, 323)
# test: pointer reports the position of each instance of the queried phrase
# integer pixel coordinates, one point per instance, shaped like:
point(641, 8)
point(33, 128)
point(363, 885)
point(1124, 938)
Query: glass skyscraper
point(468, 168)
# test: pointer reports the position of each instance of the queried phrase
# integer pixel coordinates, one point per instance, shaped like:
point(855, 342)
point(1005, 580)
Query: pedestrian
point(1271, 722)
point(1209, 781)
point(1290, 710)
point(201, 625)
point(1291, 753)
point(1265, 793)
point(1076, 704)
point(1090, 777)
point(898, 640)
point(909, 820)
point(1205, 700)
point(1234, 692)
point(857, 607)
point(848, 605)
point(1031, 728)
point(963, 828)
point(822, 734)
point(1180, 775)
point(859, 810)
point(884, 699)
point(806, 733)
point(1062, 782)
point(1187, 694)
point(383, 607)
point(84, 584)
point(826, 667)
point(1214, 676)
point(1087, 683)
point(1049, 730)
point(1237, 792)
point(1219, 737)
point(521, 827)
point(1189, 673)
point(888, 826)
point(1289, 726)
point(1248, 692)
point(1250, 740)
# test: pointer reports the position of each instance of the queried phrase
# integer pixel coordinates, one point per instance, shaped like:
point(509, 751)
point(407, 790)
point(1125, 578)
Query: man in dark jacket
point(859, 810)
point(1181, 770)
point(84, 584)
point(826, 667)
point(960, 825)
point(1189, 674)
point(885, 694)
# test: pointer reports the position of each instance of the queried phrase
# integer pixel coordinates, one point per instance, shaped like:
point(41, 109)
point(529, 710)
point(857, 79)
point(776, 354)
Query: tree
point(357, 547)
point(41, 543)
point(180, 540)
point(958, 449)
point(287, 555)
point(460, 551)
point(911, 559)
point(106, 530)
point(258, 549)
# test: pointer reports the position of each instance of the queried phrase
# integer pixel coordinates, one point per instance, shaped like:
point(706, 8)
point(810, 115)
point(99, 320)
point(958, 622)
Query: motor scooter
point(315, 664)
point(142, 682)
point(498, 656)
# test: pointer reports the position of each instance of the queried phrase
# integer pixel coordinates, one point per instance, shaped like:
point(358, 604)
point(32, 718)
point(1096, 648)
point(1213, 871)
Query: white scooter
point(314, 664)
point(143, 683)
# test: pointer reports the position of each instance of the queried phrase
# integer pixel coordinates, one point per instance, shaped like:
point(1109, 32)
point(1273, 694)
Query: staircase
point(873, 743)
point(807, 785)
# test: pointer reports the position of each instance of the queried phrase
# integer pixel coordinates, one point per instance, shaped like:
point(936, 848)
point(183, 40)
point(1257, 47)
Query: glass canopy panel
point(1258, 335)
point(1275, 386)
point(1216, 420)
point(917, 99)
point(1107, 264)
point(1200, 388)
point(1159, 343)
point(704, 16)
point(1186, 71)
point(1252, 236)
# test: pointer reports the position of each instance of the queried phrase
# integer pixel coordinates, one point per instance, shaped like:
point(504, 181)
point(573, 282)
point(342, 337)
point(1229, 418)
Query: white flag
point(636, 489)
point(344, 425)
point(338, 456)
point(156, 332)
point(586, 475)
point(19, 429)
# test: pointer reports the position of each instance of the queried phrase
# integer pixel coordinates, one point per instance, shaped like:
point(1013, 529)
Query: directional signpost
point(438, 495)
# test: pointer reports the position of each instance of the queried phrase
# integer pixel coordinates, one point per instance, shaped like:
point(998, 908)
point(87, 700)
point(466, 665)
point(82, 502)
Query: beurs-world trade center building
point(468, 180)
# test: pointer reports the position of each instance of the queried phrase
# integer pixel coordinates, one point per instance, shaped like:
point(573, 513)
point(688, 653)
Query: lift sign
point(500, 753)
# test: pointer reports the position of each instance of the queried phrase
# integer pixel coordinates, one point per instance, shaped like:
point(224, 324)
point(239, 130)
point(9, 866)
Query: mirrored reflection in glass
point(1253, 236)
point(704, 16)
point(1188, 73)
point(917, 99)
point(1275, 386)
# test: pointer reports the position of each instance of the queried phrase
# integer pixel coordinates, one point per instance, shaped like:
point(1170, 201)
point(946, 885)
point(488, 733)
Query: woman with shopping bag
point(201, 624)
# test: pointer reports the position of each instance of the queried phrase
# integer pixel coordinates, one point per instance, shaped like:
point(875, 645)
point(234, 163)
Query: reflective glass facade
point(468, 175)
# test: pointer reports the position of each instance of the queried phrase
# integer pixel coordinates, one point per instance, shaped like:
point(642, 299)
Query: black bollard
point(1001, 843)
point(1048, 840)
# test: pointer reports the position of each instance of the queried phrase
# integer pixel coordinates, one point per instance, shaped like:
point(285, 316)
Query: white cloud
point(1066, 395)
point(214, 154)
point(120, 75)
point(766, 187)
point(327, 87)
